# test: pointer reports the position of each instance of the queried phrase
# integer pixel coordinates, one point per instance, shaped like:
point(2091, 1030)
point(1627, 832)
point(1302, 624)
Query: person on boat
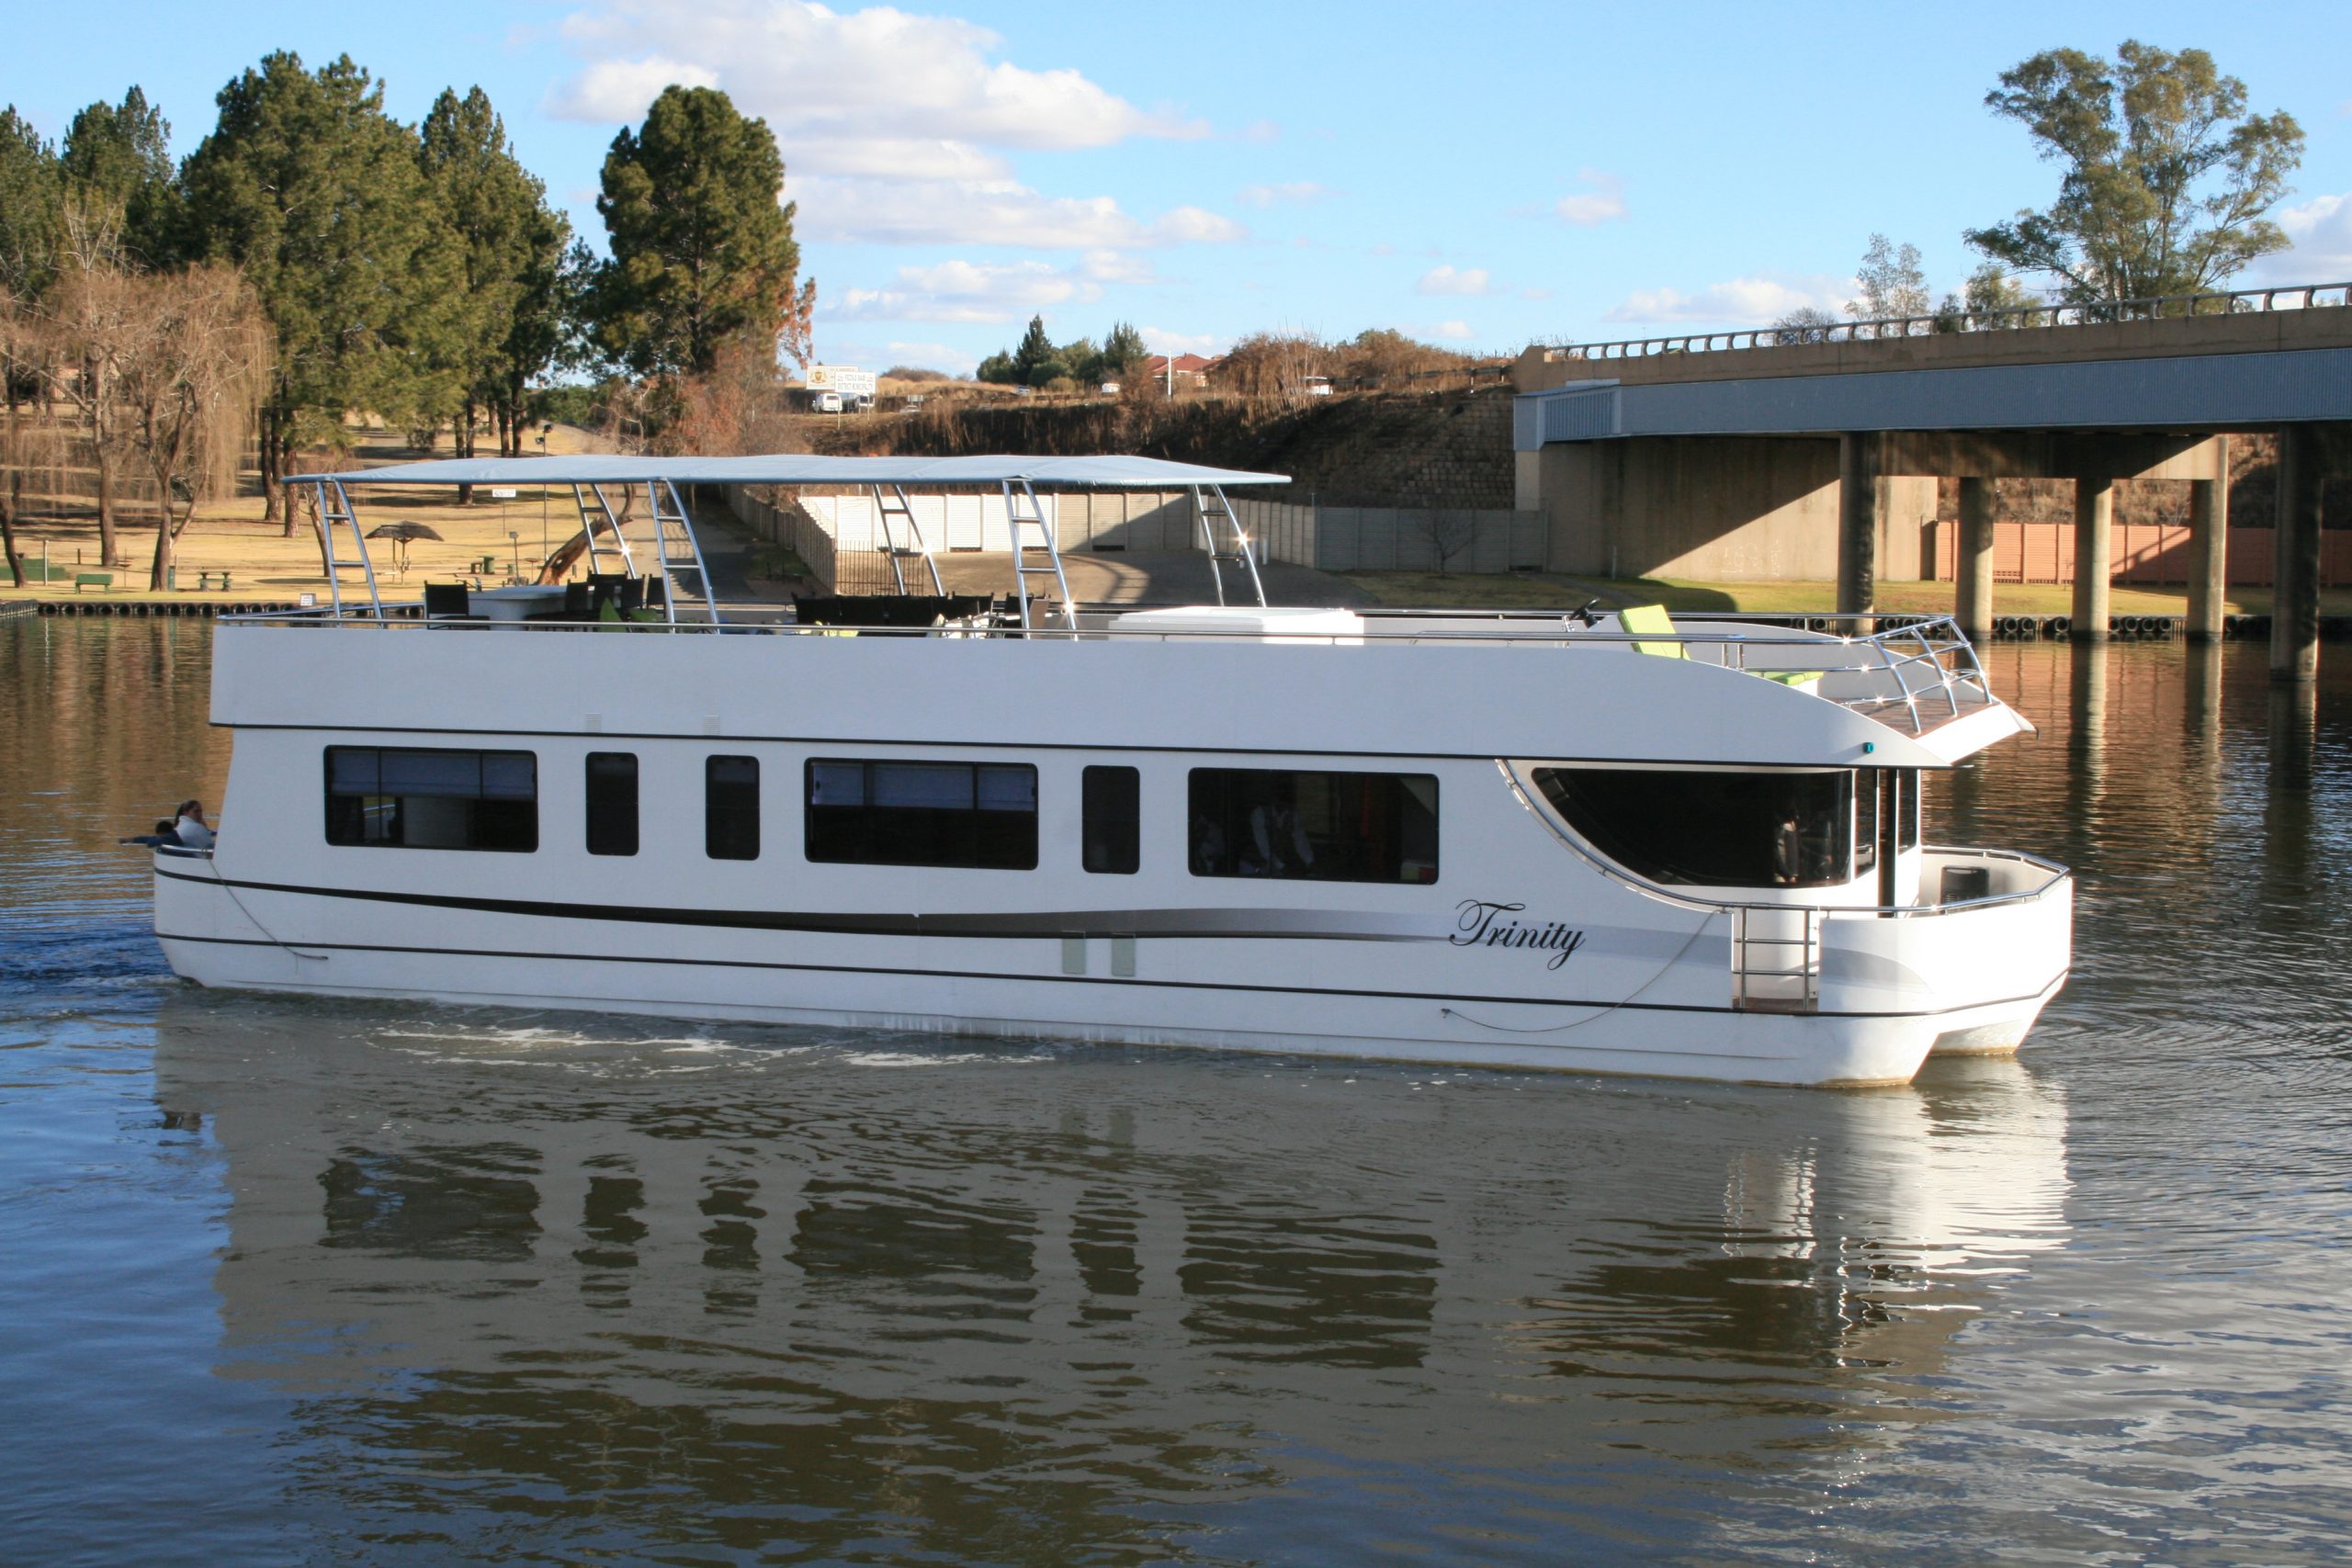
point(1788, 850)
point(166, 833)
point(1279, 839)
point(194, 832)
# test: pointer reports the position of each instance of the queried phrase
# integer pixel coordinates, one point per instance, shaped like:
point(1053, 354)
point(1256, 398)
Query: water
point(290, 1281)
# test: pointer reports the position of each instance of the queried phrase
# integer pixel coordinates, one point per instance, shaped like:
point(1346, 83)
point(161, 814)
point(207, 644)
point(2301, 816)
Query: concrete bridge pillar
point(2294, 595)
point(2094, 528)
point(1859, 462)
point(2208, 548)
point(1973, 582)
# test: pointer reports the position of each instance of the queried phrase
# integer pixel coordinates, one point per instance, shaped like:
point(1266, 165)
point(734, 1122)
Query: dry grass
point(263, 564)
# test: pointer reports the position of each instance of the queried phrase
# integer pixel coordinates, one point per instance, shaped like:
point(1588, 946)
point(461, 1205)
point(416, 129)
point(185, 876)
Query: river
point(286, 1281)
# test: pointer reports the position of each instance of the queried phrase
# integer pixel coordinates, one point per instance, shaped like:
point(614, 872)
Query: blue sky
point(1484, 175)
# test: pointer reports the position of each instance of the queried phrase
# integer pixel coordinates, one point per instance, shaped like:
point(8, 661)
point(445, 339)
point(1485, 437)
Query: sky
point(1480, 174)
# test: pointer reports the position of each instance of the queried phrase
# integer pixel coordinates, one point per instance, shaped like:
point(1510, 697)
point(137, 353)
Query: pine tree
point(701, 250)
point(1035, 350)
point(310, 188)
point(31, 202)
point(119, 156)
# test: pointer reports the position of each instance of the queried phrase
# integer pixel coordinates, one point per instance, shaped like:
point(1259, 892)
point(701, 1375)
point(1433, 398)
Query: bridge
point(1813, 451)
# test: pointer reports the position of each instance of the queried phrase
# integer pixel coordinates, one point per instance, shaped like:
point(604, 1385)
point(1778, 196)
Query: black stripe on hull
point(1334, 992)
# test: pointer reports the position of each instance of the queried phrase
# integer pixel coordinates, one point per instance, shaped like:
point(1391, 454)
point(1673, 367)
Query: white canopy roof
point(800, 468)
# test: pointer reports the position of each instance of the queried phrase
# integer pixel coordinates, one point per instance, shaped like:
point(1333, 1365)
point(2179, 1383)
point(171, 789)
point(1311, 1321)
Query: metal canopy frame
point(593, 477)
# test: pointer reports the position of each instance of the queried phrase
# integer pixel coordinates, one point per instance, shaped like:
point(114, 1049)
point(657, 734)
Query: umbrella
point(400, 533)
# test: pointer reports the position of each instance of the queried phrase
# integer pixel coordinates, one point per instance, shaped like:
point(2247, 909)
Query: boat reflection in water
point(773, 1289)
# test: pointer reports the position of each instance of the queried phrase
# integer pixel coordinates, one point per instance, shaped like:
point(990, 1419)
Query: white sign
point(846, 380)
point(501, 495)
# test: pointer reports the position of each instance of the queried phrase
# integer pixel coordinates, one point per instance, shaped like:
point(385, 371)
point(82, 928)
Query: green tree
point(315, 193)
point(510, 247)
point(997, 368)
point(31, 205)
point(1891, 281)
point(1122, 351)
point(2165, 176)
point(701, 251)
point(1033, 350)
point(119, 156)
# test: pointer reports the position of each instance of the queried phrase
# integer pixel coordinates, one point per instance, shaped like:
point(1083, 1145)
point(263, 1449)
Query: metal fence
point(2105, 312)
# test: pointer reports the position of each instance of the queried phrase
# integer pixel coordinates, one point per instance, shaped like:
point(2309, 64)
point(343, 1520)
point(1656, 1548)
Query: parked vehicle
point(826, 400)
point(1316, 386)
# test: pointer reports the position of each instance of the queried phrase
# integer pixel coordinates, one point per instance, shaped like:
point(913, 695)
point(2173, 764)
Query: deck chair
point(1653, 620)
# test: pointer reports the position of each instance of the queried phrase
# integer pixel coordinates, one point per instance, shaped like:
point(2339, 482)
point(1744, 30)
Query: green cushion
point(1651, 618)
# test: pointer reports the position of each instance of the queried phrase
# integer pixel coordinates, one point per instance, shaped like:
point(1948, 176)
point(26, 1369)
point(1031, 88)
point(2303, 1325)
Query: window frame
point(1231, 822)
point(826, 826)
point(592, 814)
point(1610, 843)
point(336, 832)
point(1120, 821)
point(714, 814)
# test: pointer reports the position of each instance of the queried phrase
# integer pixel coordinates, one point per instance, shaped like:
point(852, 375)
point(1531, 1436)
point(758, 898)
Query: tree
point(31, 193)
point(701, 252)
point(314, 192)
point(1804, 324)
point(2165, 176)
point(1891, 282)
point(119, 156)
point(510, 248)
point(998, 369)
point(1990, 299)
point(1033, 350)
point(92, 327)
point(1124, 353)
point(188, 388)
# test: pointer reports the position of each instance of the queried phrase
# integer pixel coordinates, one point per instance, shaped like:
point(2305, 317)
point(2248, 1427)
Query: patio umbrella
point(400, 533)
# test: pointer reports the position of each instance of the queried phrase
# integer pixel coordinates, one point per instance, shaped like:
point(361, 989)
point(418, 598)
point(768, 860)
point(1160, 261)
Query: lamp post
point(514, 543)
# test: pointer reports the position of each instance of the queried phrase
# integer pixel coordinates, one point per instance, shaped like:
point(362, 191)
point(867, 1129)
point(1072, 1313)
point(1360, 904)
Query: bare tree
point(1448, 532)
point(91, 324)
point(190, 388)
point(1273, 365)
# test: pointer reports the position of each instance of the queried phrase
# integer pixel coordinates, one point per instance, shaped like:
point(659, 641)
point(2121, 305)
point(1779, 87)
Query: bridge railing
point(2301, 296)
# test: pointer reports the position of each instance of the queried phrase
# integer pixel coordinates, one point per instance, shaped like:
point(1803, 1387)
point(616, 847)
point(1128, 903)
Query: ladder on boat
point(334, 506)
point(1776, 958)
point(1228, 546)
point(1023, 513)
point(895, 505)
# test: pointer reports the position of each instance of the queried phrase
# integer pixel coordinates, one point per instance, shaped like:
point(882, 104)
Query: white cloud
point(1446, 280)
point(1755, 301)
point(1603, 203)
point(934, 357)
point(1159, 340)
point(1262, 131)
point(1453, 332)
point(1535, 294)
point(991, 212)
point(971, 291)
point(622, 89)
point(813, 72)
point(2321, 231)
point(1296, 193)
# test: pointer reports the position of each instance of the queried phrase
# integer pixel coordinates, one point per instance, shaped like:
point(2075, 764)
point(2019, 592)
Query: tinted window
point(419, 799)
point(946, 814)
point(1906, 810)
point(1113, 821)
point(1313, 825)
point(612, 802)
point(730, 807)
point(1713, 829)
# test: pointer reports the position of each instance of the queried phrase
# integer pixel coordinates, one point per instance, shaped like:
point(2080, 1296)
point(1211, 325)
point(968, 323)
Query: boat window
point(1868, 800)
point(418, 800)
point(612, 802)
point(1113, 821)
point(946, 814)
point(730, 807)
point(1907, 810)
point(1314, 826)
point(1712, 828)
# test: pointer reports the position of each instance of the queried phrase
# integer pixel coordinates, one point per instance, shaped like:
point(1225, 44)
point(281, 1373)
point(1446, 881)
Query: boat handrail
point(1682, 900)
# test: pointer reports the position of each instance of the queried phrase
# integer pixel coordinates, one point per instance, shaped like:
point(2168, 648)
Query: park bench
point(204, 580)
point(102, 581)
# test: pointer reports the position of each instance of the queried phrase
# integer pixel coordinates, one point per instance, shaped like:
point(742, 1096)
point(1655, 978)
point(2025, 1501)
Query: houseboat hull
point(1507, 945)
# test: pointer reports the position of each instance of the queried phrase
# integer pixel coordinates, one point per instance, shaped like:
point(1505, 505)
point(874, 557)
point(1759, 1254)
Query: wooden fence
point(2143, 553)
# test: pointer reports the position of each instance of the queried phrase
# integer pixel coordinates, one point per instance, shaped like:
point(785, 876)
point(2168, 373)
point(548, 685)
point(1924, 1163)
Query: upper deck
point(1899, 690)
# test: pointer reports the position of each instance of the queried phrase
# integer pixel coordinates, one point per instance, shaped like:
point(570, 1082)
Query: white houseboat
point(1597, 842)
